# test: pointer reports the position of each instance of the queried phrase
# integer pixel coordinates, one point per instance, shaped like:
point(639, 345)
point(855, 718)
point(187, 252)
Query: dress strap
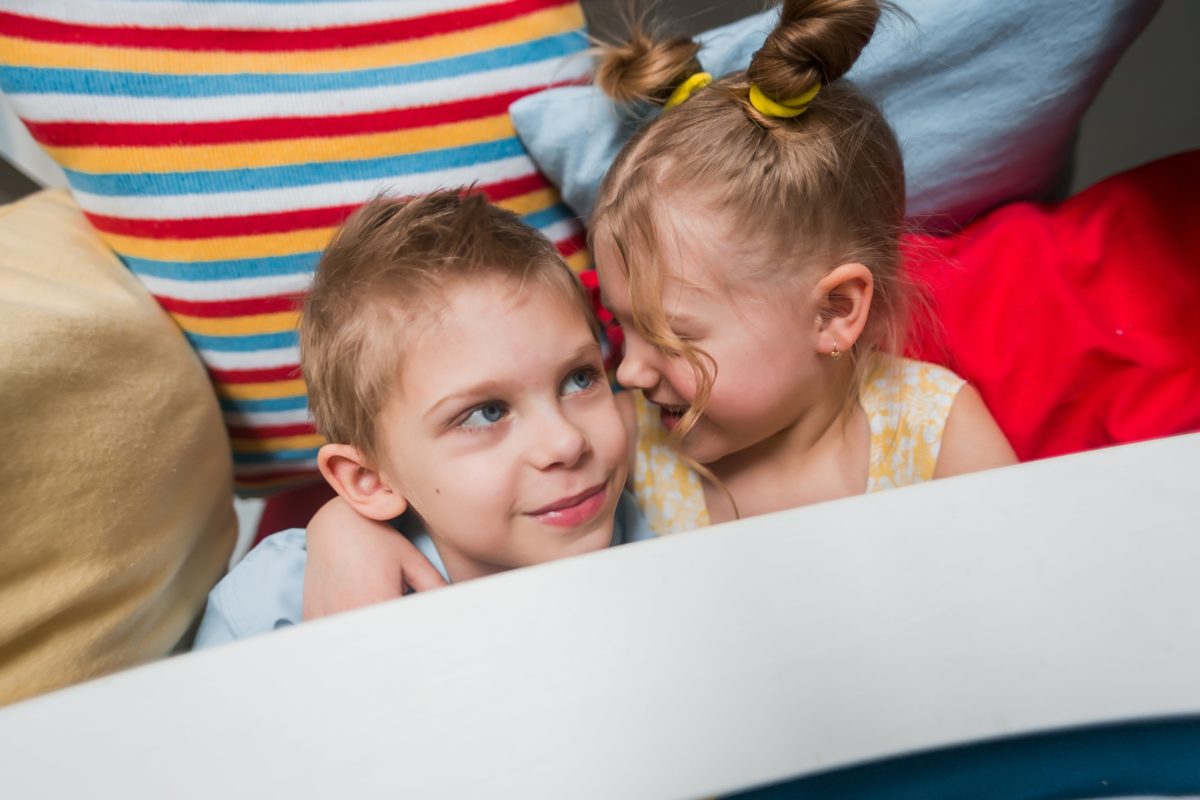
point(907, 403)
point(668, 491)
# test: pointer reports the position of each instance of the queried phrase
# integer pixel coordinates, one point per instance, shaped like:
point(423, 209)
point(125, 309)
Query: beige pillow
point(116, 510)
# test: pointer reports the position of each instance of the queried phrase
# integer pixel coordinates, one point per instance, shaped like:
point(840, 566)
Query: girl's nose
point(637, 369)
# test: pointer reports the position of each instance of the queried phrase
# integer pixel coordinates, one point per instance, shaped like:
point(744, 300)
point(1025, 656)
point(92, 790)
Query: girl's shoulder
point(907, 404)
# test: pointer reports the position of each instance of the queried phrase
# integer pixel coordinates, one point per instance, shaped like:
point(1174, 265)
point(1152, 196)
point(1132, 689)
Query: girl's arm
point(972, 440)
point(354, 561)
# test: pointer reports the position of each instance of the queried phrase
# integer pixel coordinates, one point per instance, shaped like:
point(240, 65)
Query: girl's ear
point(843, 301)
point(362, 486)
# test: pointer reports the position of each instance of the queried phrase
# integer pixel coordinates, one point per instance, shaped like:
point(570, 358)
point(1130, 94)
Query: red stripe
point(271, 304)
point(267, 41)
point(281, 222)
point(213, 227)
point(176, 134)
point(267, 479)
point(272, 431)
point(571, 246)
point(288, 372)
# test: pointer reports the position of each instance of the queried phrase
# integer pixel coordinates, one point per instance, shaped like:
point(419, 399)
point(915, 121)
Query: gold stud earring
point(835, 353)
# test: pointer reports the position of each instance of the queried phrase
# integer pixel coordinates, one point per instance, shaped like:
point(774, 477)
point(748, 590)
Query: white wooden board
point(1053, 594)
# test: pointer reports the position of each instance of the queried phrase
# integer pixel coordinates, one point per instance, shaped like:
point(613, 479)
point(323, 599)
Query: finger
point(416, 570)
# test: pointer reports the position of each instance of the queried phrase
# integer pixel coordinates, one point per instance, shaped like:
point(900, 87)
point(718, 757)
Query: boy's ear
point(843, 301)
point(361, 485)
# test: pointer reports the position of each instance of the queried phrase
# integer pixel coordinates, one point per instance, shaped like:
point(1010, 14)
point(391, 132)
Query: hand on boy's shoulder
point(972, 440)
point(355, 562)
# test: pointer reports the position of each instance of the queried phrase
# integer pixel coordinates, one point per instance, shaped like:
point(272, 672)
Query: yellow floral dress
point(906, 403)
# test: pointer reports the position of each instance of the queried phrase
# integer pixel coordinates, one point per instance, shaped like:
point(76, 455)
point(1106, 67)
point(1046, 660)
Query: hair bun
point(645, 68)
point(815, 40)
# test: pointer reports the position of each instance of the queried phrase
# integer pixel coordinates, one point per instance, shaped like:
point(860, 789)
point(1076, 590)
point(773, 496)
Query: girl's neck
point(822, 455)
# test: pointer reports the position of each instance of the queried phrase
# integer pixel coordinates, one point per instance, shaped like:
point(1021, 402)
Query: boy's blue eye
point(484, 415)
point(579, 380)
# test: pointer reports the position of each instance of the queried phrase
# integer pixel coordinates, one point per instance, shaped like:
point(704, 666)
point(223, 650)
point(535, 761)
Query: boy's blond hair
point(389, 265)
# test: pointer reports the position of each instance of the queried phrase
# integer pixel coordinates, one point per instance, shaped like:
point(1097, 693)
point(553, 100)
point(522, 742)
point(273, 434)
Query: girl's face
point(762, 341)
point(502, 432)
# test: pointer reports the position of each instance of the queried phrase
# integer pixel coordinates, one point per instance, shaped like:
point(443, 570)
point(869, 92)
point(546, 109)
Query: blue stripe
point(548, 216)
point(276, 455)
point(243, 344)
point(249, 180)
point(33, 80)
point(294, 403)
point(271, 266)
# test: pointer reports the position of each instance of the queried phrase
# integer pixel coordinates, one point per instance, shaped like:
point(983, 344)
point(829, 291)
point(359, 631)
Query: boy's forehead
point(483, 328)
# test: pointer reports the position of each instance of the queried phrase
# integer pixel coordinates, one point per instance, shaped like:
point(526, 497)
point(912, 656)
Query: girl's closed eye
point(484, 416)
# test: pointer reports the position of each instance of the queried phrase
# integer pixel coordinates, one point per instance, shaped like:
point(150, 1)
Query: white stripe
point(256, 418)
point(561, 230)
point(254, 359)
point(271, 201)
point(280, 16)
point(52, 107)
point(241, 289)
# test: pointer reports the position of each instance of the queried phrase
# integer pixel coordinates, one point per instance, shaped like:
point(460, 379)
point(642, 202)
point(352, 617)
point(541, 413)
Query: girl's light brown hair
point(387, 268)
point(811, 192)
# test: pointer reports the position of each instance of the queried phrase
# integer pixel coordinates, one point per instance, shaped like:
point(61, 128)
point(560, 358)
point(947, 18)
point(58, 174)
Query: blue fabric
point(265, 591)
point(984, 96)
point(1136, 758)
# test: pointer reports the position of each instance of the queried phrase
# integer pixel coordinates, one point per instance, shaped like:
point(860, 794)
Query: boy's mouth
point(575, 510)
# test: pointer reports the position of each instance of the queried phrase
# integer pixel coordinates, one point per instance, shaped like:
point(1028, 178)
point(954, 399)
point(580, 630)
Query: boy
point(454, 367)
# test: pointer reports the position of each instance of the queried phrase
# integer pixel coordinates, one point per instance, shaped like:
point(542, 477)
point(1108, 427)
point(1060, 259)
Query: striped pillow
point(216, 145)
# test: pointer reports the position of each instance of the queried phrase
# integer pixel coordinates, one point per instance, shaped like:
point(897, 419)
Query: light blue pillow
point(985, 97)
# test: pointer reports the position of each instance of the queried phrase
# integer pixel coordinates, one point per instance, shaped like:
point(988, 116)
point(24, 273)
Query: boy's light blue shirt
point(265, 590)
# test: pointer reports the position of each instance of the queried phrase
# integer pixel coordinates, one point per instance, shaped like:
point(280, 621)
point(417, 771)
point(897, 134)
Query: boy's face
point(502, 432)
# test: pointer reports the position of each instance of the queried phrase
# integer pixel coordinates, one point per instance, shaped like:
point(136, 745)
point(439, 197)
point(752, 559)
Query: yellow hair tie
point(786, 109)
point(684, 90)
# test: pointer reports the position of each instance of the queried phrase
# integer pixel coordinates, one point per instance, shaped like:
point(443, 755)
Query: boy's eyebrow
point(484, 388)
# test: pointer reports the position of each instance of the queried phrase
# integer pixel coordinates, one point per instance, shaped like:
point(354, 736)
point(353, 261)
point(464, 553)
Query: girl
point(748, 241)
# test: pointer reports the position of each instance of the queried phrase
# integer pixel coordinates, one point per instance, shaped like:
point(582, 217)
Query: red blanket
point(1079, 322)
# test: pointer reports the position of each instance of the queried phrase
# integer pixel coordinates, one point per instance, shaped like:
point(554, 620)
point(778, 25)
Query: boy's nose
point(558, 442)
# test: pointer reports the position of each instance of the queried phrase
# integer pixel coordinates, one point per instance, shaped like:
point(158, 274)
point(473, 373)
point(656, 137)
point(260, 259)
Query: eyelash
point(593, 372)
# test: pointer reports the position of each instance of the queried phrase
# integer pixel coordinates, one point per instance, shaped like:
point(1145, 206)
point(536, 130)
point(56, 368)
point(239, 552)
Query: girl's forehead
point(681, 246)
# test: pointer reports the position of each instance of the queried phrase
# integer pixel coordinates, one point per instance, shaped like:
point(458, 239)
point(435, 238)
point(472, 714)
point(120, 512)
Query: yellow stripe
point(221, 248)
point(523, 204)
point(253, 324)
point(281, 443)
point(284, 152)
point(579, 261)
point(29, 53)
point(272, 244)
point(261, 391)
